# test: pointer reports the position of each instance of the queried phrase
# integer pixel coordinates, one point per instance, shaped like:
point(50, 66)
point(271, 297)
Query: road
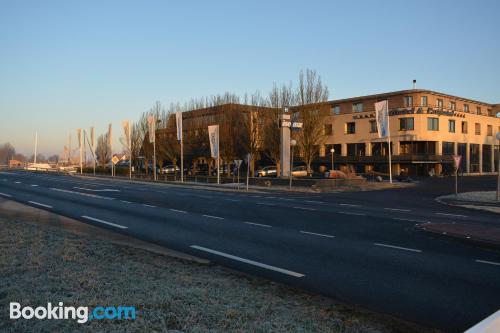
point(360, 247)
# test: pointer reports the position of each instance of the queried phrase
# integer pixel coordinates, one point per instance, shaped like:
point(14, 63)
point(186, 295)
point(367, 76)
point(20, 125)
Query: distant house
point(15, 164)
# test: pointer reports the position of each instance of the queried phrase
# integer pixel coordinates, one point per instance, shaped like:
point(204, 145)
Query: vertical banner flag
point(79, 134)
point(213, 135)
point(382, 116)
point(178, 121)
point(92, 138)
point(109, 135)
point(151, 128)
point(126, 131)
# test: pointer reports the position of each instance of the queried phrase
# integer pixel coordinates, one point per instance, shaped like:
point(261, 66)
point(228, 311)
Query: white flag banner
point(151, 128)
point(92, 137)
point(79, 134)
point(126, 131)
point(382, 116)
point(109, 135)
point(178, 121)
point(213, 136)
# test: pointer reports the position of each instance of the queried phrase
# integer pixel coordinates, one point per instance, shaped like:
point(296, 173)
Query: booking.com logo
point(81, 314)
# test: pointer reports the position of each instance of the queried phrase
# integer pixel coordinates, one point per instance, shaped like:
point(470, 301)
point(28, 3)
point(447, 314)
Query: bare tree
point(7, 151)
point(103, 151)
point(310, 92)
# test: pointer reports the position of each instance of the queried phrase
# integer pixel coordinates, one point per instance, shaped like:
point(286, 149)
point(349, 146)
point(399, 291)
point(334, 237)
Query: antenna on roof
point(414, 84)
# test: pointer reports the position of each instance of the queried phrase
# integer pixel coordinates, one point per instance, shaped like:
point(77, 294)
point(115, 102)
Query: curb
point(438, 200)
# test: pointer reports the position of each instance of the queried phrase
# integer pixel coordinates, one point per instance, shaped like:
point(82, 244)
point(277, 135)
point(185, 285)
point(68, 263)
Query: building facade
point(427, 128)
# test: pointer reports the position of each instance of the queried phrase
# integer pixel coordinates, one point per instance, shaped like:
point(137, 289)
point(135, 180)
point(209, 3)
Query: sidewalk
point(484, 233)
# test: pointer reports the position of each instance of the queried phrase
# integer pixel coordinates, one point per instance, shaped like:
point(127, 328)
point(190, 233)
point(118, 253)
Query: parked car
point(170, 169)
point(299, 171)
point(224, 170)
point(268, 171)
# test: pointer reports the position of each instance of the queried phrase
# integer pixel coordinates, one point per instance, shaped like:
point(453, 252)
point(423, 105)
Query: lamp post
point(293, 143)
point(498, 167)
point(332, 151)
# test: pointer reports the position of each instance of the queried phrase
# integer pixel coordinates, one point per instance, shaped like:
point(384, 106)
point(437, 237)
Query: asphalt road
point(360, 248)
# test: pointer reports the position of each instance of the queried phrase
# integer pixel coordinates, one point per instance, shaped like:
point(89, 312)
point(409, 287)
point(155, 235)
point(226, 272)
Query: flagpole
point(129, 155)
point(389, 143)
point(182, 158)
point(218, 158)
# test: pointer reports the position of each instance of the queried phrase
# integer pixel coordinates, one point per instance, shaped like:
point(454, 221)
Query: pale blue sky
point(70, 64)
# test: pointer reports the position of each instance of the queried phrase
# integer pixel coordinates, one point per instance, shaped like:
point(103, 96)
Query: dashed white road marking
point(6, 195)
point(452, 215)
point(104, 222)
point(349, 205)
point(125, 201)
point(352, 213)
point(314, 201)
point(304, 208)
point(18, 182)
point(488, 262)
point(95, 190)
point(34, 185)
point(178, 211)
point(233, 200)
point(81, 193)
point(317, 234)
point(213, 217)
point(265, 204)
point(409, 220)
point(39, 204)
point(398, 209)
point(287, 199)
point(259, 224)
point(248, 261)
point(151, 206)
point(397, 247)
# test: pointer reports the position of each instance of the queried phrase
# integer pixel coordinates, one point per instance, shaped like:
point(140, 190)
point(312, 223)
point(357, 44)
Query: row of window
point(408, 101)
point(408, 124)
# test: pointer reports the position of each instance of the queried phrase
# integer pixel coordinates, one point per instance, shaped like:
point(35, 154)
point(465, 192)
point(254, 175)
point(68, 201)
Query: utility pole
point(36, 146)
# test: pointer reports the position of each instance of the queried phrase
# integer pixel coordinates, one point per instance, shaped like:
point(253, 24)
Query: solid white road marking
point(349, 205)
point(248, 261)
point(259, 224)
point(316, 234)
point(39, 204)
point(213, 217)
point(104, 222)
point(488, 262)
point(397, 247)
point(178, 211)
point(398, 209)
point(151, 206)
point(94, 190)
point(351, 213)
point(6, 195)
point(410, 220)
point(454, 215)
point(304, 208)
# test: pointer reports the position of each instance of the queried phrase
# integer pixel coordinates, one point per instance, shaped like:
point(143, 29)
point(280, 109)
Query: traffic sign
point(238, 163)
point(115, 160)
point(457, 159)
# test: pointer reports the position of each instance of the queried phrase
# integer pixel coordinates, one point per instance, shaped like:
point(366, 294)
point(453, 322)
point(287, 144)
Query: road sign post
point(457, 159)
point(249, 156)
point(238, 164)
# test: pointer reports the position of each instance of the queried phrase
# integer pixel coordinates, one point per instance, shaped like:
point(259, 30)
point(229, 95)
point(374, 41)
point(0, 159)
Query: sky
point(74, 64)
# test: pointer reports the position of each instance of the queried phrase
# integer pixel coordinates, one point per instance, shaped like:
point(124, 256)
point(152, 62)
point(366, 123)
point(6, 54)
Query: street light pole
point(332, 151)
point(292, 144)
point(498, 167)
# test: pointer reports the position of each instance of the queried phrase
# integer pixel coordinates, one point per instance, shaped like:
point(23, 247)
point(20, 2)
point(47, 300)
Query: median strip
point(104, 222)
point(316, 234)
point(248, 261)
point(39, 204)
point(397, 247)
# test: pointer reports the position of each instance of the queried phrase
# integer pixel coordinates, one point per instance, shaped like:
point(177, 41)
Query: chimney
point(414, 84)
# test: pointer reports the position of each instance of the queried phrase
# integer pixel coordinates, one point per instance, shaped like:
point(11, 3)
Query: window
point(357, 107)
point(439, 103)
point(478, 128)
point(335, 110)
point(373, 126)
point(489, 130)
point(466, 107)
point(448, 148)
point(433, 124)
point(328, 129)
point(478, 110)
point(423, 100)
point(453, 105)
point(464, 127)
point(406, 124)
point(408, 101)
point(451, 126)
point(350, 128)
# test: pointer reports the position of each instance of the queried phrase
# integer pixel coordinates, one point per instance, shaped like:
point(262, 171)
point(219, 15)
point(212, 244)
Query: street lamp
point(293, 143)
point(332, 151)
